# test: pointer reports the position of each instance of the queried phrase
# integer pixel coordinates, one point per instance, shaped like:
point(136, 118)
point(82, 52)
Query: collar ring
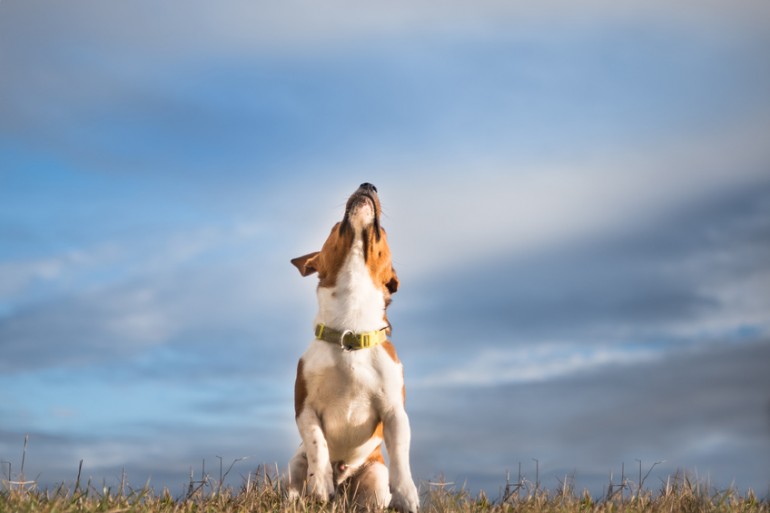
point(342, 339)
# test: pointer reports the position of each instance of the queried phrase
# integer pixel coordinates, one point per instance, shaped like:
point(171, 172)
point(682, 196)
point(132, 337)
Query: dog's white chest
point(345, 389)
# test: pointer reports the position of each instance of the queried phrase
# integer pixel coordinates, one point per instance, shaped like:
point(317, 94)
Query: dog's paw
point(321, 485)
point(405, 498)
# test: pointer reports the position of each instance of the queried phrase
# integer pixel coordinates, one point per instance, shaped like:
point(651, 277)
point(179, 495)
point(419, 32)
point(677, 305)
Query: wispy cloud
point(518, 208)
point(671, 409)
point(498, 366)
point(119, 298)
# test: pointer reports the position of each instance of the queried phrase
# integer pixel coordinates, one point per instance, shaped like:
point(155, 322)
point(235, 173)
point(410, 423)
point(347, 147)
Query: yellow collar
point(349, 340)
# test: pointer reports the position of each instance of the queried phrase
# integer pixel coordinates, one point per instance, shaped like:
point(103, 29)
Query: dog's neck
point(355, 274)
point(354, 302)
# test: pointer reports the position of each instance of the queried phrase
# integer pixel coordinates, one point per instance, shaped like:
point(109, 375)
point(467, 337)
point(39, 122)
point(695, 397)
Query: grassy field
point(263, 494)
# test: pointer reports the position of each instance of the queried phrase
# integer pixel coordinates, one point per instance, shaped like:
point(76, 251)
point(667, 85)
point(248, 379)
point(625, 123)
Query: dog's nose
point(366, 186)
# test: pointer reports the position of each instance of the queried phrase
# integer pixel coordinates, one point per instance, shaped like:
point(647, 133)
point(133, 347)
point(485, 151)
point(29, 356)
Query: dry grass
point(262, 491)
point(264, 494)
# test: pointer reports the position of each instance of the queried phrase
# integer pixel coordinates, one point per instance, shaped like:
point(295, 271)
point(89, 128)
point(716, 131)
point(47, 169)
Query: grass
point(261, 492)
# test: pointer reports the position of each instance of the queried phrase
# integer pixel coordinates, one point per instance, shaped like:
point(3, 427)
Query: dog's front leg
point(320, 481)
point(397, 440)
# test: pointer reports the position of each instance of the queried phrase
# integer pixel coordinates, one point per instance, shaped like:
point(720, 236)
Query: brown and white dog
point(349, 392)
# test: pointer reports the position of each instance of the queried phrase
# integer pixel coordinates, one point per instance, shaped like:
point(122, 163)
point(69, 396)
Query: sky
point(577, 199)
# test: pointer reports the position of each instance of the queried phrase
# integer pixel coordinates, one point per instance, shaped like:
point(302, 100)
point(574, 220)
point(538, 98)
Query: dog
point(349, 392)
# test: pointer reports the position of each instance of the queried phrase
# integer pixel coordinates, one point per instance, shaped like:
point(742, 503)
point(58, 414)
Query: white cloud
point(15, 276)
point(142, 319)
point(113, 261)
point(120, 297)
point(744, 305)
point(18, 277)
point(541, 362)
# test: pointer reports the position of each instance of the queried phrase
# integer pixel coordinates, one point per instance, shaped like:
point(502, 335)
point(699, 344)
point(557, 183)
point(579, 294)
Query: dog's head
point(361, 220)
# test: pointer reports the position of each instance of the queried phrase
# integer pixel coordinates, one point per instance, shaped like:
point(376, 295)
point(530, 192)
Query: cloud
point(216, 92)
point(84, 329)
point(693, 277)
point(122, 298)
point(521, 208)
point(543, 362)
point(684, 409)
point(263, 24)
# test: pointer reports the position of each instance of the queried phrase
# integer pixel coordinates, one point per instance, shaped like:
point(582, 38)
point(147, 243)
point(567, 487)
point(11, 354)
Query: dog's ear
point(392, 284)
point(307, 264)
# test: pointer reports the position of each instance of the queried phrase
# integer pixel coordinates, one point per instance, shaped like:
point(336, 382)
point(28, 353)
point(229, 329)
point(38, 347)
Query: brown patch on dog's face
point(329, 260)
point(380, 266)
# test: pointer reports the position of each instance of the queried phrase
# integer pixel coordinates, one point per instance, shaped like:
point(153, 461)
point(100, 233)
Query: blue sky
point(577, 200)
